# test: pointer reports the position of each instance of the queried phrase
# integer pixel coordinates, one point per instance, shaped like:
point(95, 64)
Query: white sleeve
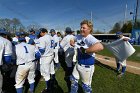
point(64, 42)
point(92, 40)
point(8, 48)
point(41, 43)
point(125, 37)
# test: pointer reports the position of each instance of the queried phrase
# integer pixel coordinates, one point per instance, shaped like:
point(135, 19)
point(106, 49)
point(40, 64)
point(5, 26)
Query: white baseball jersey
point(27, 39)
point(65, 43)
point(25, 53)
point(15, 39)
point(46, 42)
point(60, 39)
point(56, 40)
point(36, 43)
point(5, 48)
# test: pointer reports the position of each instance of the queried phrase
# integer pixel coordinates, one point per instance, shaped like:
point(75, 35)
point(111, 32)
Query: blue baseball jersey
point(85, 42)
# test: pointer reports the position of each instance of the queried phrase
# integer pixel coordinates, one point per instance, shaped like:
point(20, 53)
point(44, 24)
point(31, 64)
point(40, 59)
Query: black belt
point(22, 64)
point(86, 66)
point(28, 62)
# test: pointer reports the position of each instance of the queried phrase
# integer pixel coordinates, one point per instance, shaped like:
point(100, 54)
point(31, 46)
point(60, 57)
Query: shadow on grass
point(8, 83)
point(55, 88)
point(103, 65)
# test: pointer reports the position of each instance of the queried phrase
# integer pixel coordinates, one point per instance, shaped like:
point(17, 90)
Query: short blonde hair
point(89, 24)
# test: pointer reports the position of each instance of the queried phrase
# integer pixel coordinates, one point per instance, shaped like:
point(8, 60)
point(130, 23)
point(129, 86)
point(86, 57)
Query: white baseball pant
point(84, 72)
point(23, 71)
point(45, 66)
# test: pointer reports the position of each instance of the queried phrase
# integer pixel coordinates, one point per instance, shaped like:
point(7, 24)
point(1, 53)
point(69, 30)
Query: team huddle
point(40, 52)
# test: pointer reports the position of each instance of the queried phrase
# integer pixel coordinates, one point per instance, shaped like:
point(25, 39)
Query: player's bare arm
point(95, 48)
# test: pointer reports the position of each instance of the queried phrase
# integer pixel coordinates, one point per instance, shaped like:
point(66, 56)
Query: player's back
point(46, 42)
point(25, 53)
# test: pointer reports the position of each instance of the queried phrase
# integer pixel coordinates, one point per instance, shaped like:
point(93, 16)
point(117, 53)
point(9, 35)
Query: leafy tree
point(127, 27)
point(11, 25)
point(116, 27)
point(16, 24)
point(33, 26)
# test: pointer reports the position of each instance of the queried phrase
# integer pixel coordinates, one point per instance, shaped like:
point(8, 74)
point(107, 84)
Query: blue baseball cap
point(31, 41)
point(22, 33)
point(17, 33)
point(119, 33)
point(3, 32)
point(68, 30)
point(52, 30)
point(21, 39)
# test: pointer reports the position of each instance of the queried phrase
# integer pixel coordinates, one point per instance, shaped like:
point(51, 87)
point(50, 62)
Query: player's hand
point(83, 50)
point(125, 39)
point(72, 42)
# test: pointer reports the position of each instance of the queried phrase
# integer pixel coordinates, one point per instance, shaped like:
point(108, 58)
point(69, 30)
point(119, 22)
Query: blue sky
point(59, 14)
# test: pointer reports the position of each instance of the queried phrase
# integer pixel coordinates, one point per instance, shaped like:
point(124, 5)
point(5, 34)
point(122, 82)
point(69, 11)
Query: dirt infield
point(132, 67)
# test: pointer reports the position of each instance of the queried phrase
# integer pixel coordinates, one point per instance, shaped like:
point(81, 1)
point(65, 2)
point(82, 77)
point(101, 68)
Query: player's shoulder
point(91, 39)
point(6, 40)
point(125, 37)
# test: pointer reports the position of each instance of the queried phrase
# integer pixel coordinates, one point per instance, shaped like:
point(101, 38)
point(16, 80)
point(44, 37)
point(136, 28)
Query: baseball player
point(86, 45)
point(46, 47)
point(118, 62)
point(32, 34)
point(56, 47)
point(25, 54)
point(69, 51)
point(23, 34)
point(55, 63)
point(59, 36)
point(5, 55)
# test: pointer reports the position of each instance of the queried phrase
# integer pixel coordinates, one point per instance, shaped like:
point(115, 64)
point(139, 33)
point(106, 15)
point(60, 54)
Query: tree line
point(15, 25)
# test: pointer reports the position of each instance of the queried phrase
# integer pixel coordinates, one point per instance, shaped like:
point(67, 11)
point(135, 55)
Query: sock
point(31, 87)
point(118, 66)
point(47, 84)
point(123, 69)
point(70, 69)
point(19, 90)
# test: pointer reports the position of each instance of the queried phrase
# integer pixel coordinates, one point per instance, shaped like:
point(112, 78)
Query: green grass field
point(104, 80)
point(135, 57)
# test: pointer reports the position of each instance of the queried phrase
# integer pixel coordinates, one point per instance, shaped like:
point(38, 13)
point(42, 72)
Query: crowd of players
point(23, 57)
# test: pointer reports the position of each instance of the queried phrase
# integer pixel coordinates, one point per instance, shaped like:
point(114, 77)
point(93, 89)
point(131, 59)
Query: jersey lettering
point(52, 44)
point(26, 51)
